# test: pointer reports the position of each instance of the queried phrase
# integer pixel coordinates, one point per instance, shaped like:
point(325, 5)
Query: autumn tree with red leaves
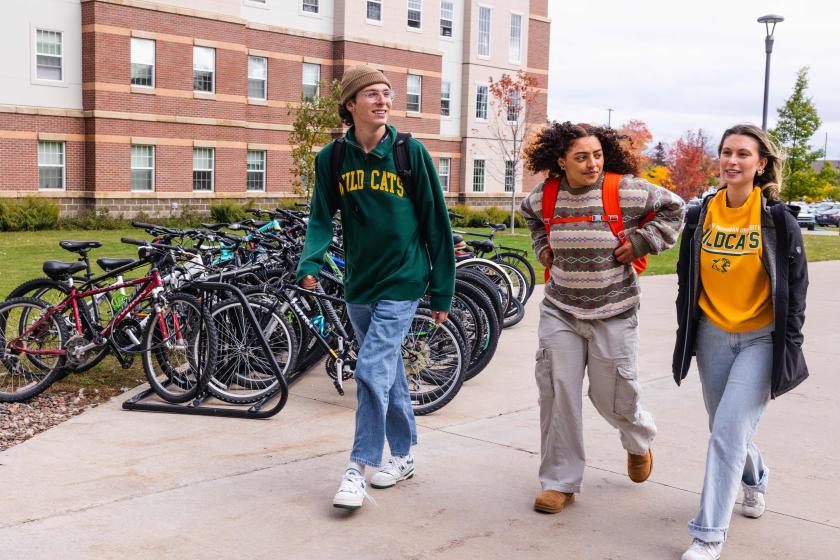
point(639, 135)
point(510, 97)
point(691, 166)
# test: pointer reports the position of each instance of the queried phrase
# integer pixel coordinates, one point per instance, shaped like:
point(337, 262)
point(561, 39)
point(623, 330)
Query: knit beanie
point(357, 77)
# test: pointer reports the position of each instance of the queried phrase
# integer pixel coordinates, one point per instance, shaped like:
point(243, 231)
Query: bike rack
point(198, 405)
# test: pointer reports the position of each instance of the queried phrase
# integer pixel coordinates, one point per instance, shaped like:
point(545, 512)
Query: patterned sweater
point(586, 279)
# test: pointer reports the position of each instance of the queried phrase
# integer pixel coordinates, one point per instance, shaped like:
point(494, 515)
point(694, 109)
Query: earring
point(562, 168)
point(760, 172)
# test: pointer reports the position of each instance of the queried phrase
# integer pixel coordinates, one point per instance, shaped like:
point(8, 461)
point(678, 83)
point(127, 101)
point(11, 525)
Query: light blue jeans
point(384, 404)
point(735, 370)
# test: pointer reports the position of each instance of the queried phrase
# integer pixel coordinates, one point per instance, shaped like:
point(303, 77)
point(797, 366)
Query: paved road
point(116, 484)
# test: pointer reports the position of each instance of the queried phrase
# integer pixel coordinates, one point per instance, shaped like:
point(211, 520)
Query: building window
point(515, 53)
point(48, 55)
point(204, 69)
point(483, 31)
point(311, 77)
point(413, 93)
point(443, 173)
point(310, 6)
point(415, 9)
point(445, 98)
point(203, 169)
point(51, 165)
point(256, 170)
point(446, 11)
point(374, 10)
point(478, 175)
point(142, 62)
point(481, 101)
point(510, 175)
point(257, 76)
point(142, 168)
point(514, 105)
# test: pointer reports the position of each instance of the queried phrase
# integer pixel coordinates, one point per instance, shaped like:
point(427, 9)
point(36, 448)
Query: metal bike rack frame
point(197, 406)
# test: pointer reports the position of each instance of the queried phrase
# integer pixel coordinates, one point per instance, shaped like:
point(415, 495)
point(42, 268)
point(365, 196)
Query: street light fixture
point(768, 20)
point(609, 117)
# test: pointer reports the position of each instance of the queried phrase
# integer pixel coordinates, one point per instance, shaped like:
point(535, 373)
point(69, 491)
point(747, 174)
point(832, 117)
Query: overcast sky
point(688, 65)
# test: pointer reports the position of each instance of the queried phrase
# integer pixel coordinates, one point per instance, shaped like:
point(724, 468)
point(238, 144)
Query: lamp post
point(609, 117)
point(768, 48)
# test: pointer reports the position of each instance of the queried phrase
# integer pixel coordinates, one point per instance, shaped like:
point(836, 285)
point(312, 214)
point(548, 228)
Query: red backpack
point(612, 213)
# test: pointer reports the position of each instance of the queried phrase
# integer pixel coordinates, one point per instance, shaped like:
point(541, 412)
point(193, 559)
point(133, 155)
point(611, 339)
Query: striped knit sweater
point(586, 279)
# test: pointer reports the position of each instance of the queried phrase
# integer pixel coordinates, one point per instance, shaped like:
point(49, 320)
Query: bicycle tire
point(481, 282)
point(494, 273)
point(40, 373)
point(524, 266)
point(482, 356)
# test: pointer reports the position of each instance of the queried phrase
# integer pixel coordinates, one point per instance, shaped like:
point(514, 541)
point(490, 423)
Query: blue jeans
point(735, 371)
point(384, 404)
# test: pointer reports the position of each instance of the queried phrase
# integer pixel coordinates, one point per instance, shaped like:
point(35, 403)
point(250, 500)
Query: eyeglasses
point(387, 95)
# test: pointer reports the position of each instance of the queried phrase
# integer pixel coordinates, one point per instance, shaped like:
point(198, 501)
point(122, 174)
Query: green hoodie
point(398, 245)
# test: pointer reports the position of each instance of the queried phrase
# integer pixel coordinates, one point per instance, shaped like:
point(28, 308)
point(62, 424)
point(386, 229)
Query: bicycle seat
point(214, 227)
point(79, 246)
point(457, 239)
point(58, 270)
point(108, 264)
point(483, 246)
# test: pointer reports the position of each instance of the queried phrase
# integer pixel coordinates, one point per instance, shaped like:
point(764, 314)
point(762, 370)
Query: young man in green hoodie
point(398, 247)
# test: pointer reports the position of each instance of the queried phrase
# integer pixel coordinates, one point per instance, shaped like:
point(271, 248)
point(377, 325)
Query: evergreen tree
point(660, 155)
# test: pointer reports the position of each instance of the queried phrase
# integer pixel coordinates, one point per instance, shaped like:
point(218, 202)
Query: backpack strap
point(612, 205)
point(549, 201)
point(337, 161)
point(403, 163)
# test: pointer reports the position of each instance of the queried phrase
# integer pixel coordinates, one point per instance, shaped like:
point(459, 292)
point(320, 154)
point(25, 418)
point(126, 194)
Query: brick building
point(132, 105)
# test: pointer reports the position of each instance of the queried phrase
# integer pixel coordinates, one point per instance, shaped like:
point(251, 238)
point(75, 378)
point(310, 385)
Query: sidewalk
point(117, 484)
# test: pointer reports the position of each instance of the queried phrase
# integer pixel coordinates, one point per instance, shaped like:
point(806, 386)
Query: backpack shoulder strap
point(612, 204)
point(337, 161)
point(549, 201)
point(402, 161)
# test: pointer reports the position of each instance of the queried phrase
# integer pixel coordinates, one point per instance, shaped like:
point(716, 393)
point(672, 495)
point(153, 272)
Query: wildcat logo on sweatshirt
point(381, 181)
point(722, 240)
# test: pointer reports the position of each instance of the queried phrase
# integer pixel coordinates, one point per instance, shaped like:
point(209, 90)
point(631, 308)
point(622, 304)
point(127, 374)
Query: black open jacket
point(785, 262)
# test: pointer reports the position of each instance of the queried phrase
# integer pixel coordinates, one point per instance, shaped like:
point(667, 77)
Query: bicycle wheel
point(493, 272)
point(179, 348)
point(433, 357)
point(489, 326)
point(243, 373)
point(23, 326)
point(523, 265)
point(481, 282)
point(517, 283)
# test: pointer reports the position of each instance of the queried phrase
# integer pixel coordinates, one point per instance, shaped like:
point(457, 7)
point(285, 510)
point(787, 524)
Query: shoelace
point(351, 483)
point(750, 498)
point(709, 548)
point(396, 467)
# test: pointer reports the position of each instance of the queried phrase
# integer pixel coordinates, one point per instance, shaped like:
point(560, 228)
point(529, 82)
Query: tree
point(660, 155)
point(511, 98)
point(691, 166)
point(639, 135)
point(315, 118)
point(659, 175)
point(828, 183)
point(798, 121)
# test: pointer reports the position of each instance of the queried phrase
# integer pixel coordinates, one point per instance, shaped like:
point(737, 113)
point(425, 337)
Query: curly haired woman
point(742, 278)
point(588, 319)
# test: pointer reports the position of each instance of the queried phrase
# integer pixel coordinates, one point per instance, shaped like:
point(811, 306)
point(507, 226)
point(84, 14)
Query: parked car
point(829, 218)
point(805, 217)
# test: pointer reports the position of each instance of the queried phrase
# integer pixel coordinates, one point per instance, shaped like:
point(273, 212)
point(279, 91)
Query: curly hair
point(345, 115)
point(552, 142)
point(770, 181)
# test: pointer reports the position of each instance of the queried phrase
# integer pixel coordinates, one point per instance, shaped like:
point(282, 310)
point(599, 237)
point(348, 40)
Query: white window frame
point(481, 8)
point(304, 83)
point(367, 5)
point(483, 174)
point(448, 175)
point(138, 41)
point(409, 93)
point(248, 171)
point(211, 169)
point(451, 19)
point(263, 79)
point(478, 87)
point(306, 12)
point(510, 174)
point(152, 168)
point(419, 10)
point(47, 81)
point(212, 72)
point(518, 108)
point(62, 165)
point(448, 99)
point(518, 58)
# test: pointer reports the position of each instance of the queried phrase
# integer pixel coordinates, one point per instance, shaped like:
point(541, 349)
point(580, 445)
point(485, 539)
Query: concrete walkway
point(116, 484)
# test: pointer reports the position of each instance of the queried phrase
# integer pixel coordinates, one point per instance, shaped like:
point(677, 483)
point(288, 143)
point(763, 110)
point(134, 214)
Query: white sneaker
point(753, 504)
point(701, 550)
point(351, 493)
point(397, 469)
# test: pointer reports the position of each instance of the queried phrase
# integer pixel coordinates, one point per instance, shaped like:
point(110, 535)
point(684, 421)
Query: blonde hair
point(770, 181)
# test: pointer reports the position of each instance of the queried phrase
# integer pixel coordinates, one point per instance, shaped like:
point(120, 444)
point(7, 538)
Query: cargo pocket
point(542, 373)
point(626, 389)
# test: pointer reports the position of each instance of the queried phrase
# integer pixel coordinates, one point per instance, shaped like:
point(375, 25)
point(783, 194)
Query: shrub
point(92, 220)
point(227, 212)
point(28, 214)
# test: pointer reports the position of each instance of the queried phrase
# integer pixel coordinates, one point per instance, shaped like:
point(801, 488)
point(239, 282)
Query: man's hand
point(439, 316)
point(625, 254)
point(547, 257)
point(308, 282)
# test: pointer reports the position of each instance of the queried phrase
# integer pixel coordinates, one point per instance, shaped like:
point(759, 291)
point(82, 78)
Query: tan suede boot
point(639, 467)
point(552, 501)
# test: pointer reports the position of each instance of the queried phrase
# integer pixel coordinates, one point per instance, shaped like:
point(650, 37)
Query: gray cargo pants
point(607, 349)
